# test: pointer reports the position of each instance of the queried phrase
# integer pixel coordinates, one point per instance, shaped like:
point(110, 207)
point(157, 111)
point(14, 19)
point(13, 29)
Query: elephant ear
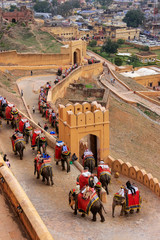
point(91, 181)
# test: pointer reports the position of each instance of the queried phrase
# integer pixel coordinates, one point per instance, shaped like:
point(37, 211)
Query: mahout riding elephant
point(65, 157)
point(89, 162)
point(119, 200)
point(11, 114)
point(45, 171)
point(41, 142)
point(95, 203)
point(27, 134)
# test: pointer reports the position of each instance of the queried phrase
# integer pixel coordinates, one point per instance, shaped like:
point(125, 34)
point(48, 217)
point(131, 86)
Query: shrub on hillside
point(118, 61)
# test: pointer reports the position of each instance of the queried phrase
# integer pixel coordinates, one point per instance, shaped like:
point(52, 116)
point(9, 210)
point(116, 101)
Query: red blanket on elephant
point(8, 114)
point(41, 164)
point(15, 141)
point(101, 171)
point(21, 124)
point(132, 201)
point(85, 205)
point(35, 134)
point(83, 181)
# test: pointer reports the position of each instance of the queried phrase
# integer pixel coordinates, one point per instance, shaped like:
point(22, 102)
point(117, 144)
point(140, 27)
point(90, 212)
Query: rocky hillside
point(27, 39)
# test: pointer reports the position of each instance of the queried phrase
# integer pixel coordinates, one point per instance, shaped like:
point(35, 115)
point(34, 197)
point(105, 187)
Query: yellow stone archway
point(79, 120)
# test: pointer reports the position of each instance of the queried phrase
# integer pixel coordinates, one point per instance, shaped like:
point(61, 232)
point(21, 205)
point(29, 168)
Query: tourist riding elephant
point(65, 157)
point(46, 172)
point(124, 201)
point(95, 204)
point(89, 162)
point(41, 142)
point(15, 120)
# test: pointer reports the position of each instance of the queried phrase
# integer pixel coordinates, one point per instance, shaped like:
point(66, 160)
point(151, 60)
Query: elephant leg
point(48, 181)
point(83, 215)
point(21, 155)
point(113, 209)
point(7, 122)
point(101, 215)
point(76, 204)
point(94, 217)
point(122, 211)
point(51, 177)
point(43, 179)
point(137, 210)
point(27, 138)
point(57, 162)
point(68, 166)
point(63, 167)
point(107, 189)
point(37, 175)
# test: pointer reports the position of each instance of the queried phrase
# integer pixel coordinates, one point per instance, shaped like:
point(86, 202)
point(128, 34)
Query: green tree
point(120, 41)
point(133, 18)
point(12, 8)
point(54, 3)
point(118, 61)
point(133, 60)
point(43, 7)
point(109, 46)
point(145, 48)
point(66, 8)
point(93, 43)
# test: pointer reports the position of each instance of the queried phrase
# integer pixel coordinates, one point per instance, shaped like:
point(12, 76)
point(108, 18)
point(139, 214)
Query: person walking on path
point(45, 127)
point(33, 109)
point(31, 73)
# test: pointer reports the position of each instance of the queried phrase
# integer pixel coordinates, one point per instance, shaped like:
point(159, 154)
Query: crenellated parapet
point(84, 114)
point(79, 120)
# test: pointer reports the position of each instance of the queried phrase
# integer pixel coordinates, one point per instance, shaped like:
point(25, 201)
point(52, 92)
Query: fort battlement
point(79, 115)
point(79, 120)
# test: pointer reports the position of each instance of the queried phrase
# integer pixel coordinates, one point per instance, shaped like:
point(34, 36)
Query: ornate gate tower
point(78, 120)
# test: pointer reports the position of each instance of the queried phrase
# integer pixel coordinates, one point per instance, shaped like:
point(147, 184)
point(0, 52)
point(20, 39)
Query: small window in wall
point(150, 84)
point(158, 83)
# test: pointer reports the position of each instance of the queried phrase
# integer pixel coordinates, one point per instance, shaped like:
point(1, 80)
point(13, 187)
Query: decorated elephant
point(41, 142)
point(2, 108)
point(18, 145)
point(89, 162)
point(27, 134)
point(92, 204)
point(44, 168)
point(104, 175)
point(11, 114)
point(127, 200)
point(65, 157)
